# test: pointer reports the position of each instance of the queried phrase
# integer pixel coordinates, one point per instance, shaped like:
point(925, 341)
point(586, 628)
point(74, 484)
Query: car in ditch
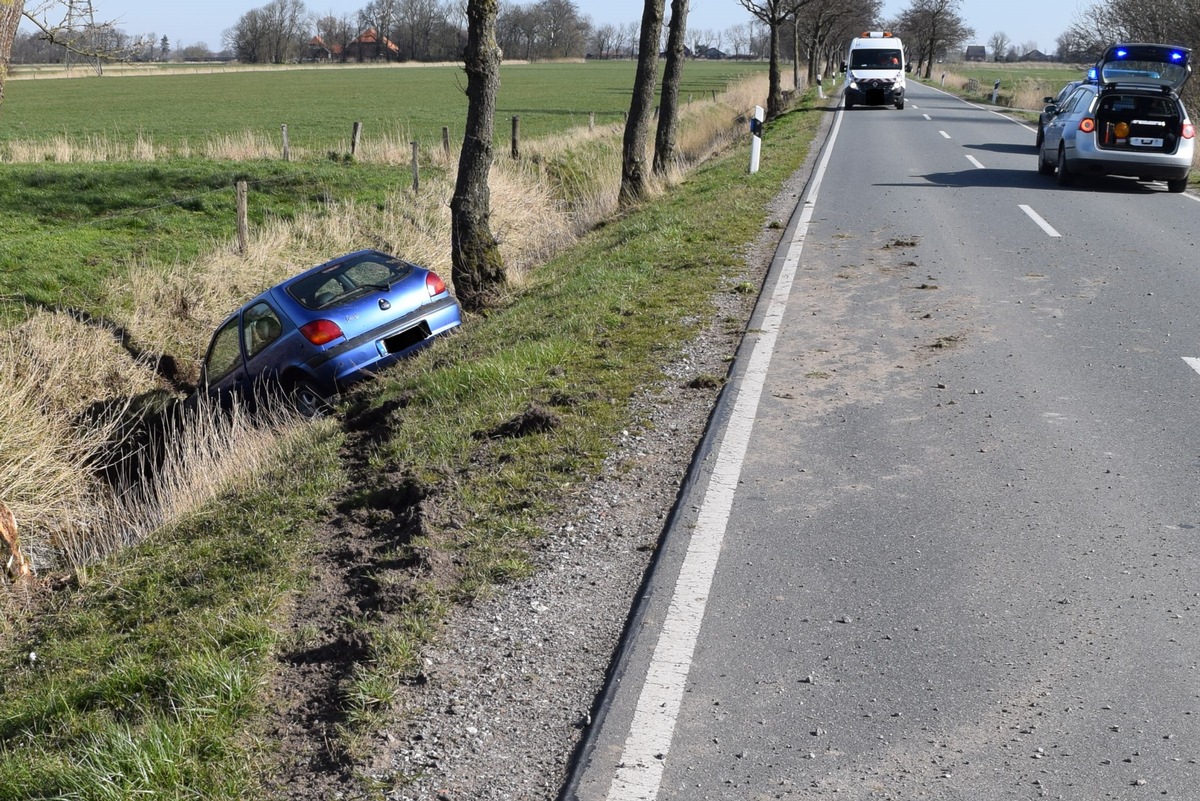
point(313, 335)
point(1129, 122)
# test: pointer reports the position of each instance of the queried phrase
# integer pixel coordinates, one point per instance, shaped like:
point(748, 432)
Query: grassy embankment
point(146, 673)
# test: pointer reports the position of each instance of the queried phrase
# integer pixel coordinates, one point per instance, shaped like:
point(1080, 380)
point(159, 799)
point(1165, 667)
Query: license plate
point(1144, 141)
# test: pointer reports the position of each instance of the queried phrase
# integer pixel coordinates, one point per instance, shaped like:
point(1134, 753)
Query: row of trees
point(434, 30)
point(1168, 21)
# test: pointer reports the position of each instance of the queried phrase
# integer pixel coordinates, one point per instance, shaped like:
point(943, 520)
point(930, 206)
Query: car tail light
point(1087, 125)
point(434, 284)
point(1188, 131)
point(319, 332)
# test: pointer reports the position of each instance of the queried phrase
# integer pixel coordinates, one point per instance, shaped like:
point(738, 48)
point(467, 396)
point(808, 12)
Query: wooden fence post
point(416, 169)
point(287, 156)
point(355, 136)
point(446, 140)
point(242, 228)
point(591, 120)
point(516, 137)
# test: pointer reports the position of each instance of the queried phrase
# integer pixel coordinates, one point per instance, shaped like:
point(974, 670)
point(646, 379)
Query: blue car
point(317, 333)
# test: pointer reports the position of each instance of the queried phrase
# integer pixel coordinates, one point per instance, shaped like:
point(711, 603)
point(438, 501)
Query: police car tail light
point(1087, 125)
point(1189, 132)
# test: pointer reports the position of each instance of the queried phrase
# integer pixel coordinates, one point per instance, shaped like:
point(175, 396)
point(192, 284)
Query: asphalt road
point(944, 543)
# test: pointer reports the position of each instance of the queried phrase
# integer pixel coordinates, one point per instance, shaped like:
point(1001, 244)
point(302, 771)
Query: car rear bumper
point(350, 361)
point(1087, 159)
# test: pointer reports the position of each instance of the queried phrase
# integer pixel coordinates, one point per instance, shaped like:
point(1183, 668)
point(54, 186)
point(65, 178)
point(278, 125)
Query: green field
point(319, 105)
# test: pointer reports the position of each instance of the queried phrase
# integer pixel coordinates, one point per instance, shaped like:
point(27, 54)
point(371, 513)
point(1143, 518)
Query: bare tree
point(668, 113)
point(934, 27)
point(478, 269)
point(634, 184)
point(275, 33)
point(629, 38)
point(55, 21)
point(739, 38)
point(604, 41)
point(823, 26)
point(336, 33)
point(999, 44)
point(774, 14)
point(10, 19)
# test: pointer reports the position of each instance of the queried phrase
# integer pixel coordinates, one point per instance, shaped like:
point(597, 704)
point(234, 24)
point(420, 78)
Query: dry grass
point(45, 455)
point(61, 148)
point(68, 385)
point(201, 453)
point(64, 369)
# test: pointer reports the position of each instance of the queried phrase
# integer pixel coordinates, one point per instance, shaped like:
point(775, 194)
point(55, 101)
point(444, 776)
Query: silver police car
point(1128, 122)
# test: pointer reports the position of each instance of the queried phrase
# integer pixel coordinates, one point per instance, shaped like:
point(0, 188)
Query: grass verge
point(151, 676)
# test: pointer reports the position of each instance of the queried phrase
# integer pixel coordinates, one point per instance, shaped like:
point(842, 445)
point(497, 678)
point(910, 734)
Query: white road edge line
point(1192, 363)
point(639, 773)
point(975, 161)
point(1037, 218)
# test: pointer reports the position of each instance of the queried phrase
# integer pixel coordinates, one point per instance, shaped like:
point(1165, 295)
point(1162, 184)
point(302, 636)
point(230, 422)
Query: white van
point(874, 70)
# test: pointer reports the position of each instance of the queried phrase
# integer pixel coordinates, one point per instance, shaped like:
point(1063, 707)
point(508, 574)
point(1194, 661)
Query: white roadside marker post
point(756, 123)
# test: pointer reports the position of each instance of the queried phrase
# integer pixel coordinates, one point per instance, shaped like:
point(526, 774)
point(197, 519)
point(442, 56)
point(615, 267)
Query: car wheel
point(1044, 167)
point(849, 105)
point(1177, 184)
point(307, 401)
point(1041, 137)
point(1065, 178)
point(900, 104)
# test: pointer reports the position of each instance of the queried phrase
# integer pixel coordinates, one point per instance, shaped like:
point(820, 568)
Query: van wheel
point(1177, 184)
point(900, 104)
point(1065, 178)
point(849, 105)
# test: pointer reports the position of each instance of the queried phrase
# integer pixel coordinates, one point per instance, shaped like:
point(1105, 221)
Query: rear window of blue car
point(348, 280)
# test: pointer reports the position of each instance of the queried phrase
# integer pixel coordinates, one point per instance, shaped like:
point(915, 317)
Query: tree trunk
point(10, 18)
point(633, 152)
point(668, 110)
point(478, 269)
point(796, 54)
point(774, 91)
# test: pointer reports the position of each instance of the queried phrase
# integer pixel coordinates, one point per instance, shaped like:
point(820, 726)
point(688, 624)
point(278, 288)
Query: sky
point(186, 22)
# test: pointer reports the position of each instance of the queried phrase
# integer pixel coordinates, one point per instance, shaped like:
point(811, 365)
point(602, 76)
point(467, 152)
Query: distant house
point(370, 46)
point(319, 51)
point(1036, 55)
point(711, 53)
point(976, 53)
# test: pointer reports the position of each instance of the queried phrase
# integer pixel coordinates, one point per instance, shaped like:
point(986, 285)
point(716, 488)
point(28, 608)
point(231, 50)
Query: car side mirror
point(1047, 99)
point(843, 67)
point(1051, 110)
